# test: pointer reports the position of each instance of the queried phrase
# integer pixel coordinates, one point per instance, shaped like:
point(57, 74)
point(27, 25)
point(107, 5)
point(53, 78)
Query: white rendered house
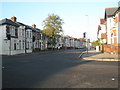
point(9, 41)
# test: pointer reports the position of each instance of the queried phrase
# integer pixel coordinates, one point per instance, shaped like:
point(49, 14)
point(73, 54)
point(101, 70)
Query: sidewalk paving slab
point(98, 56)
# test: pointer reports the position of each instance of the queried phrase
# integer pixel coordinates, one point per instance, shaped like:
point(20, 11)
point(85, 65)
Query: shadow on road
point(28, 71)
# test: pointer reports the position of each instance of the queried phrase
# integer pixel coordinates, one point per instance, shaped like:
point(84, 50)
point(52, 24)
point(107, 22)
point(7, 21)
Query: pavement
point(98, 56)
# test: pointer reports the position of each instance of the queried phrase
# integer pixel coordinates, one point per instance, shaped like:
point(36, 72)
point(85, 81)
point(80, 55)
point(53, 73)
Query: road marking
point(80, 54)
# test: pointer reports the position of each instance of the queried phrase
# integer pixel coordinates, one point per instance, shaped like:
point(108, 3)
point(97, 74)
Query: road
point(59, 69)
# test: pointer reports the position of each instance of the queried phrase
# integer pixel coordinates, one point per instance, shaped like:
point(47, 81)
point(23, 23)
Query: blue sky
point(73, 14)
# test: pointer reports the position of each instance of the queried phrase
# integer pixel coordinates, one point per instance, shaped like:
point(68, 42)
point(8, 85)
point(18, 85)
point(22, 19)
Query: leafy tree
point(52, 26)
point(97, 43)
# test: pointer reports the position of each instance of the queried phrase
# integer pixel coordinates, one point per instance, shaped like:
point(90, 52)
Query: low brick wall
point(112, 49)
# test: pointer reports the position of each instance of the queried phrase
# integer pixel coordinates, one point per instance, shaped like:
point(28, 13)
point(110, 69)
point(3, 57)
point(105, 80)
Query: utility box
point(97, 49)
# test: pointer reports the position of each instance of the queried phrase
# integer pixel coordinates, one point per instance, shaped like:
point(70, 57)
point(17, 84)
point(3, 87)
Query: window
point(23, 32)
point(14, 45)
point(40, 44)
point(23, 44)
point(16, 32)
point(12, 31)
point(28, 34)
point(20, 32)
point(8, 33)
point(7, 29)
point(28, 44)
point(36, 44)
point(20, 44)
point(40, 36)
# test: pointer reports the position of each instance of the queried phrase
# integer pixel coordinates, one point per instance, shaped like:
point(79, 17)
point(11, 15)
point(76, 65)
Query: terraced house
point(9, 40)
point(17, 37)
point(27, 37)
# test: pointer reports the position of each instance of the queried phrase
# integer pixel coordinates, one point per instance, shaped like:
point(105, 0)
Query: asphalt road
point(57, 70)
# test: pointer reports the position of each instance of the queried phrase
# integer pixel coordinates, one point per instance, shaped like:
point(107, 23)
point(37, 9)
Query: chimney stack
point(13, 18)
point(99, 27)
point(33, 26)
point(101, 21)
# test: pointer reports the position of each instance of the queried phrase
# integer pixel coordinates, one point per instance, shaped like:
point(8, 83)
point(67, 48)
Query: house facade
point(102, 31)
point(45, 41)
point(17, 38)
point(26, 43)
point(82, 43)
point(111, 36)
point(28, 39)
point(76, 43)
point(10, 42)
point(72, 43)
point(118, 25)
point(67, 41)
point(110, 25)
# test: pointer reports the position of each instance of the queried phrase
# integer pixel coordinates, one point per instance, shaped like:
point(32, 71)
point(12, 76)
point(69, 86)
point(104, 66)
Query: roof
point(71, 37)
point(118, 10)
point(21, 23)
point(29, 27)
point(81, 39)
point(110, 11)
point(8, 21)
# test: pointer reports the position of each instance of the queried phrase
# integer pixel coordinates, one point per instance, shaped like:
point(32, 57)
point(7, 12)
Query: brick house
point(110, 25)
point(112, 30)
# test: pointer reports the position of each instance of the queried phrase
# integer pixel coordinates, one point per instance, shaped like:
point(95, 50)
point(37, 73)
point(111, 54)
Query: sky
point(78, 16)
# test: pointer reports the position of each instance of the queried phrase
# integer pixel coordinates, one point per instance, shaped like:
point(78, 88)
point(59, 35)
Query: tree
point(52, 26)
point(97, 43)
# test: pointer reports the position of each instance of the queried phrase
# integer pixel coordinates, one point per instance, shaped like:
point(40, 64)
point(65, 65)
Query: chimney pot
point(33, 26)
point(13, 18)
